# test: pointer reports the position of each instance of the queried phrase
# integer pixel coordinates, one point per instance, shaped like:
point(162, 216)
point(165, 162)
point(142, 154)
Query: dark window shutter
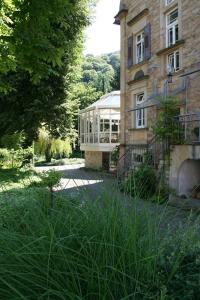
point(147, 41)
point(130, 51)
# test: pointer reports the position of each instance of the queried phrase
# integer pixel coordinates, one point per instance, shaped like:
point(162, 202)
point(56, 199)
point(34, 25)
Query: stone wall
point(93, 159)
point(185, 168)
point(155, 69)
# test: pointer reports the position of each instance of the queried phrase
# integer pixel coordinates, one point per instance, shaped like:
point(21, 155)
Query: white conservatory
point(99, 126)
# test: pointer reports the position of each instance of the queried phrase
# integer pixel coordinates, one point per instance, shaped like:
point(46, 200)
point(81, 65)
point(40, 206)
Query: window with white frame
point(140, 47)
point(168, 2)
point(140, 113)
point(173, 61)
point(172, 33)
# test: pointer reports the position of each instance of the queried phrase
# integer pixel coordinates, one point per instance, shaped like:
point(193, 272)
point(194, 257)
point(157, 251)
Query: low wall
point(185, 168)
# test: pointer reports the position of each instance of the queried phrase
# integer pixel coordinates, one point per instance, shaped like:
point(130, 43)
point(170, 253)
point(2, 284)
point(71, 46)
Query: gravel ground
point(90, 184)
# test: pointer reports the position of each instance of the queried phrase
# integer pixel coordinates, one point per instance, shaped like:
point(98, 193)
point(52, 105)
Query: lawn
point(99, 249)
point(16, 178)
point(60, 162)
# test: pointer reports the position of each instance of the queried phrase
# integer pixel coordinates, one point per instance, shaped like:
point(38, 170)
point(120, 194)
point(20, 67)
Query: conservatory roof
point(111, 100)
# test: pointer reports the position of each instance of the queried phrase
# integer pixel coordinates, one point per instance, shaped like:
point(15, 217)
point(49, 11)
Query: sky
point(103, 36)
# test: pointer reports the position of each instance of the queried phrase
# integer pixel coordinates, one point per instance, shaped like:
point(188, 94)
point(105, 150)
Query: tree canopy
point(99, 75)
point(102, 72)
point(36, 35)
point(40, 48)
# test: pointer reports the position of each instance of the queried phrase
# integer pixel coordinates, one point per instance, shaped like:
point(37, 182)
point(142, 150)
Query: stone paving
point(90, 184)
point(77, 179)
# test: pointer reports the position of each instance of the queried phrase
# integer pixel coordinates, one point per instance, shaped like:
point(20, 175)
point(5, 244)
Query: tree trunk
point(48, 153)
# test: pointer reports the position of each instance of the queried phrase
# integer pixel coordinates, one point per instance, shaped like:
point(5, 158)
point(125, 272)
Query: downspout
point(187, 79)
point(125, 80)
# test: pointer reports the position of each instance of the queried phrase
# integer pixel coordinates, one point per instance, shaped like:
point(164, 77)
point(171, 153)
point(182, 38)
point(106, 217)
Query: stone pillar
point(93, 159)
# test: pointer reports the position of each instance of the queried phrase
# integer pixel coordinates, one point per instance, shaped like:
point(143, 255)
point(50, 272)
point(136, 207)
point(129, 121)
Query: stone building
point(99, 131)
point(160, 57)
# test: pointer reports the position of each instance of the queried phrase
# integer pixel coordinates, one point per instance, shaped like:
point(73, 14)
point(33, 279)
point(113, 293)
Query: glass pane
point(115, 138)
point(140, 98)
point(106, 126)
point(95, 138)
point(173, 17)
point(177, 61)
point(176, 33)
point(101, 127)
point(91, 138)
point(143, 117)
point(104, 138)
point(114, 128)
point(170, 36)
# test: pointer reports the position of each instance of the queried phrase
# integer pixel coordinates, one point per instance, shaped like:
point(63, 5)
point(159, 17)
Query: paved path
point(77, 179)
point(89, 184)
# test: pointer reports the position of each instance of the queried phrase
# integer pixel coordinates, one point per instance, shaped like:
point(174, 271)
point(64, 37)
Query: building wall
point(93, 159)
point(155, 68)
point(185, 168)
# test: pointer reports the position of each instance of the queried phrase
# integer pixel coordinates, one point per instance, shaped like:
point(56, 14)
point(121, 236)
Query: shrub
point(167, 126)
point(51, 147)
point(4, 156)
point(115, 155)
point(142, 182)
point(15, 158)
point(14, 141)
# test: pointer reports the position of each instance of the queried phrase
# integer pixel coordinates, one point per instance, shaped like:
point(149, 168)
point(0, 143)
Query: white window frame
point(168, 2)
point(140, 47)
point(171, 27)
point(172, 61)
point(140, 115)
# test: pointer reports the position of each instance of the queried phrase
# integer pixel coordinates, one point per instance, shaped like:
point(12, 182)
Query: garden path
point(90, 184)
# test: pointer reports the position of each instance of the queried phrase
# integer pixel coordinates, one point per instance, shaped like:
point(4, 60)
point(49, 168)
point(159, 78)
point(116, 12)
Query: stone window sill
point(169, 49)
point(139, 79)
point(138, 129)
point(135, 66)
point(170, 7)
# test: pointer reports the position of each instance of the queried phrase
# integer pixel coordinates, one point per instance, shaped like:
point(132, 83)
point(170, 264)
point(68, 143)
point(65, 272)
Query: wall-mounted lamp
point(169, 77)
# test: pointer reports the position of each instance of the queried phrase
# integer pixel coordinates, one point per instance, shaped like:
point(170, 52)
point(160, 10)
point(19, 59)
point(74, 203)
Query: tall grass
point(93, 250)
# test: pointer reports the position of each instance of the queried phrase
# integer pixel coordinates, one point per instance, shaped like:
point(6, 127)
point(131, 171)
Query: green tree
point(40, 47)
point(39, 33)
point(51, 147)
point(84, 95)
point(102, 72)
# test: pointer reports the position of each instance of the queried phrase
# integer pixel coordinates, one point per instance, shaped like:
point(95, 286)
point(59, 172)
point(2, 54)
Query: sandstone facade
point(150, 75)
point(160, 38)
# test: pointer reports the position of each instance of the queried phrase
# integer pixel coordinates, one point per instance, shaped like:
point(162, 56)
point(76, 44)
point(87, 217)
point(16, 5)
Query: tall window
point(140, 113)
point(172, 28)
point(140, 47)
point(104, 125)
point(174, 61)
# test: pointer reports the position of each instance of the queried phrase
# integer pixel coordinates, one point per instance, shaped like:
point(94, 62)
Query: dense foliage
point(49, 147)
point(93, 250)
point(102, 72)
point(99, 75)
point(15, 158)
point(40, 47)
point(142, 182)
point(167, 126)
point(39, 35)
